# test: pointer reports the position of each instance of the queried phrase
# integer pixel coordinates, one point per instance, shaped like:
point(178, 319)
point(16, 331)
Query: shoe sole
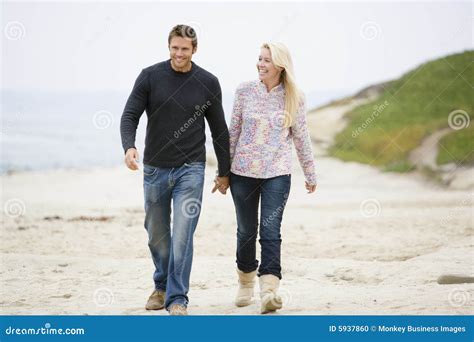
point(154, 308)
point(271, 305)
point(242, 304)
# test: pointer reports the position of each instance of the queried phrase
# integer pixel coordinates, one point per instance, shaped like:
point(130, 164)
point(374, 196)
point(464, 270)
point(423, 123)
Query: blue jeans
point(273, 194)
point(172, 247)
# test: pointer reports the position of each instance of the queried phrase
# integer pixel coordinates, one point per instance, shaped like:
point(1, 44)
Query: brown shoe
point(178, 310)
point(156, 301)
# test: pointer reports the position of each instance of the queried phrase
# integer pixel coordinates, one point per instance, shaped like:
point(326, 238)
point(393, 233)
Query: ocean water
point(48, 130)
point(60, 130)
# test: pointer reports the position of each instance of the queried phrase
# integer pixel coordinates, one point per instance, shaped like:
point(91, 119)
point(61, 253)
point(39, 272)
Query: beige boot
point(271, 301)
point(246, 284)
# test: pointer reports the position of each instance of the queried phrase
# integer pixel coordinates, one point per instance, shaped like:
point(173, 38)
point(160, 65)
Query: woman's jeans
point(273, 194)
point(172, 247)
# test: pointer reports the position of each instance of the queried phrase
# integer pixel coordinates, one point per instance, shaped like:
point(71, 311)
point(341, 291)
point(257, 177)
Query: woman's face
point(266, 69)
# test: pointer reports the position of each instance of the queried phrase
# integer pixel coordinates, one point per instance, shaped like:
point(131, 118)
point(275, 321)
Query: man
point(177, 95)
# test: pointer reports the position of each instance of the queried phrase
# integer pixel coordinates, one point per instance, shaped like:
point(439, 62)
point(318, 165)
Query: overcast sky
point(91, 46)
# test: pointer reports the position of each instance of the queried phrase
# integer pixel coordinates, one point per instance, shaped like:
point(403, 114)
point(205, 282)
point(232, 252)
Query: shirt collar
point(279, 88)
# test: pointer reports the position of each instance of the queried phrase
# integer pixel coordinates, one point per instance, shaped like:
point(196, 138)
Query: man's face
point(181, 52)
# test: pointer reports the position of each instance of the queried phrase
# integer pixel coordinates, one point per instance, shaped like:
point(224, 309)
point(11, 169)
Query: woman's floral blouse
point(260, 145)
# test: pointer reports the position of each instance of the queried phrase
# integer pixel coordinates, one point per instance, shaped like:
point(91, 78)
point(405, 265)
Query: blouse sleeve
point(236, 121)
point(302, 142)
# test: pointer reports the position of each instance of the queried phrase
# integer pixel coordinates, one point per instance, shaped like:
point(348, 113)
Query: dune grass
point(457, 147)
point(383, 132)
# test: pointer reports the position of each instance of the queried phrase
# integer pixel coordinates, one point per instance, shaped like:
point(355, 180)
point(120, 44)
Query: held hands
point(310, 187)
point(221, 184)
point(131, 159)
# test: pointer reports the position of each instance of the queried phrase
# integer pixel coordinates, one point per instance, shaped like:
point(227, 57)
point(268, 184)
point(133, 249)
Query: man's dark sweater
point(176, 104)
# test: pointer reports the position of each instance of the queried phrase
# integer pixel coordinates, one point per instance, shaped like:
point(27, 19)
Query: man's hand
point(131, 159)
point(221, 184)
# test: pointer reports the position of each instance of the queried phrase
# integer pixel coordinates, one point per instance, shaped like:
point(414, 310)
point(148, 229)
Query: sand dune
point(326, 122)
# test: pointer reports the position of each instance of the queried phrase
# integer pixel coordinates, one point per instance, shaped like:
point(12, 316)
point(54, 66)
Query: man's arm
point(220, 133)
point(136, 104)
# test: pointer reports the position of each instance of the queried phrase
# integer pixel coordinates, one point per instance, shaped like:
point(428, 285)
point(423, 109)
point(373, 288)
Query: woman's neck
point(270, 84)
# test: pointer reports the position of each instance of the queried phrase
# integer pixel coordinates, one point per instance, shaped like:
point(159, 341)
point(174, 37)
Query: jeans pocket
point(194, 164)
point(149, 170)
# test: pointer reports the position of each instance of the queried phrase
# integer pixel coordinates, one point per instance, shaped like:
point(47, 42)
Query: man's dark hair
point(183, 31)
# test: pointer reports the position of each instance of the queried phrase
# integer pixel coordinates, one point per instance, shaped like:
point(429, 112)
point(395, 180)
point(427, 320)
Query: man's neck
point(185, 68)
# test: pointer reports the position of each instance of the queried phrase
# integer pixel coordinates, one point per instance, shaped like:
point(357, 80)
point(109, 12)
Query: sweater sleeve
point(236, 122)
point(302, 142)
point(220, 133)
point(136, 104)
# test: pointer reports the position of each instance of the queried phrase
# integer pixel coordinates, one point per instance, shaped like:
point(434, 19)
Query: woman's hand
point(221, 184)
point(310, 187)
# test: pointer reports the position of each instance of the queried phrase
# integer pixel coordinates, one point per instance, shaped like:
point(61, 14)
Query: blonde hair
point(281, 58)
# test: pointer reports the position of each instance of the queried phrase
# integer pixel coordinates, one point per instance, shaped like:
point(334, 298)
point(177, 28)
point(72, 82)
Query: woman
point(268, 115)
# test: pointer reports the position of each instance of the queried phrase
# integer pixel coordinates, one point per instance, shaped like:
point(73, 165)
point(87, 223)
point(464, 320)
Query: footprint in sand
point(67, 296)
point(352, 276)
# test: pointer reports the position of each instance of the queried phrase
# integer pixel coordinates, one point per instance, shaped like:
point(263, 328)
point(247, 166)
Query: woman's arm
point(303, 145)
point(236, 121)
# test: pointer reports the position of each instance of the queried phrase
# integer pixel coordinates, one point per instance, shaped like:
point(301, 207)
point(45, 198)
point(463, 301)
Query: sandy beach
point(73, 242)
point(367, 242)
